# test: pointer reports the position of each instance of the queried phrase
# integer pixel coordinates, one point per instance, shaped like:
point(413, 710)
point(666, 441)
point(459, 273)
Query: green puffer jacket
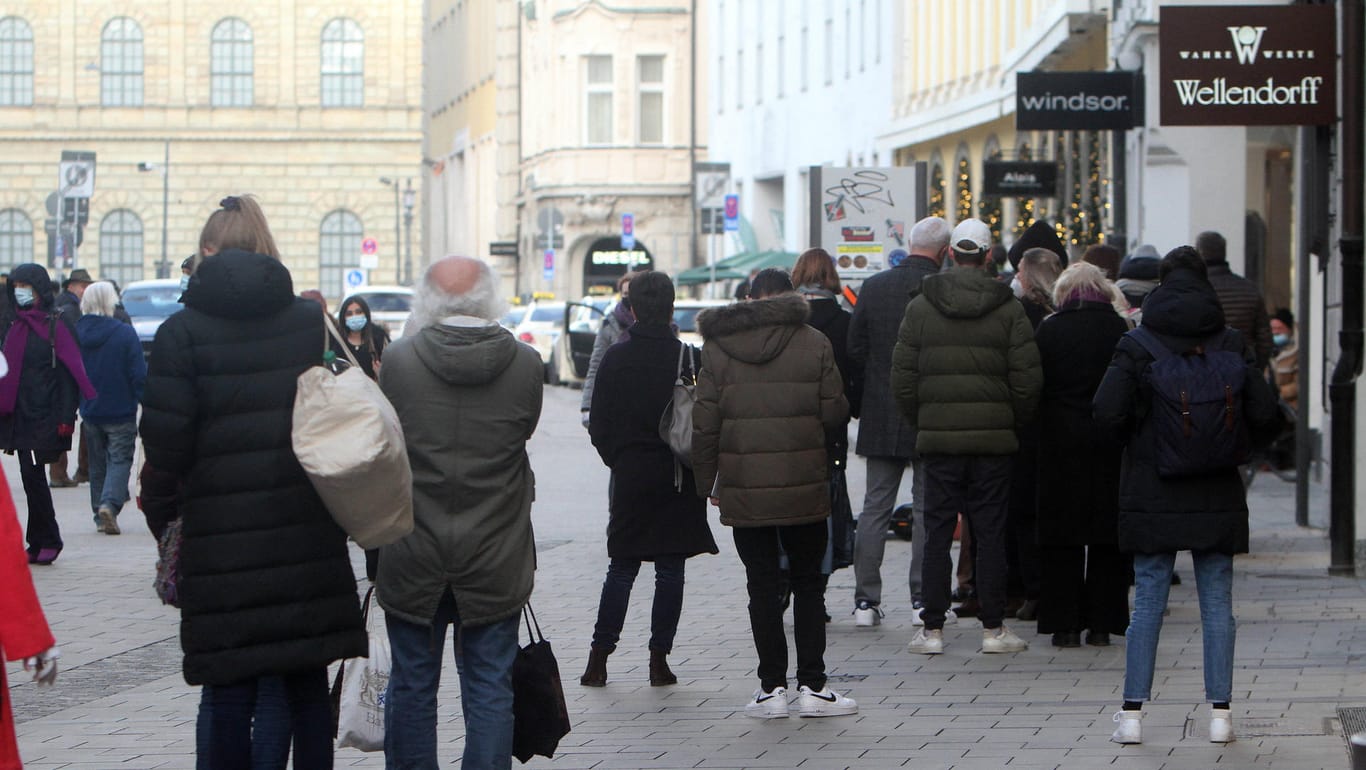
point(767, 395)
point(965, 370)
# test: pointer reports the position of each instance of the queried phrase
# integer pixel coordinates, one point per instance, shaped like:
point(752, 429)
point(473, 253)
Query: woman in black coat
point(655, 512)
point(38, 398)
point(1084, 578)
point(266, 587)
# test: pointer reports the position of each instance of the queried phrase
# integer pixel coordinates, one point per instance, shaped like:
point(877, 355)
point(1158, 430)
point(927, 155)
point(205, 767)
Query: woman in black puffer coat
point(266, 587)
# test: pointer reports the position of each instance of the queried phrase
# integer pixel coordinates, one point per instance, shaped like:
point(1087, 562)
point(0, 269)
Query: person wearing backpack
point(651, 518)
point(1179, 488)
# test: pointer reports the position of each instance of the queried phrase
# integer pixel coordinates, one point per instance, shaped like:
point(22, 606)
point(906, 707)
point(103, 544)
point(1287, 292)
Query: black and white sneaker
point(768, 705)
point(826, 703)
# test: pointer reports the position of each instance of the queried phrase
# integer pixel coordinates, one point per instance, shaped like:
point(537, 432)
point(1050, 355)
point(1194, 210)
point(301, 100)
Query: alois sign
point(1248, 65)
point(1025, 179)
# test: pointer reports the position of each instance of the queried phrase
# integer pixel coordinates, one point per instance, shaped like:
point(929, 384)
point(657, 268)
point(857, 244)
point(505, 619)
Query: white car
point(149, 303)
point(541, 327)
point(685, 317)
point(390, 306)
point(569, 364)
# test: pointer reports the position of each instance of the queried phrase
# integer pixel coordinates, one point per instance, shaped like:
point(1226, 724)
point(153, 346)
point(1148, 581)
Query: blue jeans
point(1152, 583)
point(111, 460)
point(616, 593)
point(483, 657)
point(247, 726)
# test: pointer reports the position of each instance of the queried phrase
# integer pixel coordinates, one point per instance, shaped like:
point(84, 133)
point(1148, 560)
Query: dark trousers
point(42, 531)
point(1023, 552)
point(58, 471)
point(616, 594)
point(1084, 587)
point(226, 736)
point(978, 486)
point(805, 546)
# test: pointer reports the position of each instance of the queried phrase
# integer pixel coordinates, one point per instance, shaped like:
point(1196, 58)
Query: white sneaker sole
point(825, 710)
point(763, 713)
point(866, 618)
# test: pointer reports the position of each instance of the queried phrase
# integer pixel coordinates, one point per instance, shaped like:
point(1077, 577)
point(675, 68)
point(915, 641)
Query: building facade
point(304, 104)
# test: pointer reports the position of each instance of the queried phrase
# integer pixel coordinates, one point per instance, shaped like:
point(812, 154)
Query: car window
point(685, 318)
point(152, 301)
point(513, 316)
point(388, 303)
point(548, 313)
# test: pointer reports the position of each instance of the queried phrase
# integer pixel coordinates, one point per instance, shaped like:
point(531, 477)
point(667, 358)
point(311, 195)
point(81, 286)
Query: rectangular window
point(804, 57)
point(782, 62)
point(650, 104)
point(740, 79)
point(829, 47)
point(862, 33)
point(598, 105)
point(720, 84)
point(759, 73)
point(848, 36)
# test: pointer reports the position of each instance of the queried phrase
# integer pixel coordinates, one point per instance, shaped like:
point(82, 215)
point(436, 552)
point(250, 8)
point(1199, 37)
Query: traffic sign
point(76, 174)
point(353, 279)
point(549, 271)
point(369, 246)
point(628, 231)
point(732, 210)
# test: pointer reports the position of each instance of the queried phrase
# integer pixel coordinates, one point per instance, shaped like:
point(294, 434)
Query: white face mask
point(23, 296)
point(1016, 286)
point(184, 282)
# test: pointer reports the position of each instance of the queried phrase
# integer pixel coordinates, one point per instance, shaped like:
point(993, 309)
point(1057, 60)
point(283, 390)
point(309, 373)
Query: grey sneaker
point(109, 524)
point(1002, 640)
point(927, 642)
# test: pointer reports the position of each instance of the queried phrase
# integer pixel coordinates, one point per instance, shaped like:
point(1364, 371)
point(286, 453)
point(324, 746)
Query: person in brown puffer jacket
point(768, 394)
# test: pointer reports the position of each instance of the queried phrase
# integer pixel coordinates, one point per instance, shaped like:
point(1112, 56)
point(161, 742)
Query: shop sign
point(1078, 101)
point(1019, 178)
point(1248, 65)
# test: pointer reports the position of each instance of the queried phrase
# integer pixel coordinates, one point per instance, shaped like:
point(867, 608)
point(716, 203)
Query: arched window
point(16, 62)
point(936, 203)
point(1025, 208)
point(989, 206)
point(121, 63)
point(121, 247)
point(343, 64)
point(231, 64)
point(16, 238)
point(338, 249)
point(962, 178)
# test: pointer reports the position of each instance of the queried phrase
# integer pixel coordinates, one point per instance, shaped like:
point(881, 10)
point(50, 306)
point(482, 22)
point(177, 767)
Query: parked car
point(569, 364)
point(149, 303)
point(512, 317)
point(540, 328)
point(685, 317)
point(390, 306)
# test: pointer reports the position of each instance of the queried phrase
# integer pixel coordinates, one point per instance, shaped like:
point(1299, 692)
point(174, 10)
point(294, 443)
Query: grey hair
point(930, 234)
point(431, 303)
point(100, 298)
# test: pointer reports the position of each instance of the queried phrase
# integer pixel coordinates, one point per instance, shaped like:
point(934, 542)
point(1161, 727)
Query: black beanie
point(1039, 235)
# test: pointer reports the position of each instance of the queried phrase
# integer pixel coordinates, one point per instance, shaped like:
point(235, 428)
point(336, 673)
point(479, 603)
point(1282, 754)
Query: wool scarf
point(39, 322)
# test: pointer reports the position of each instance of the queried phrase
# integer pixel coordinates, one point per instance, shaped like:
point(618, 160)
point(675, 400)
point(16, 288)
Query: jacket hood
point(466, 355)
point(1139, 268)
point(755, 331)
point(965, 292)
point(1039, 235)
point(36, 276)
point(95, 330)
point(1184, 305)
point(240, 284)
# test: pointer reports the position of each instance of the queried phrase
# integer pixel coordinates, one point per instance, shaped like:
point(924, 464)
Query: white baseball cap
point(971, 236)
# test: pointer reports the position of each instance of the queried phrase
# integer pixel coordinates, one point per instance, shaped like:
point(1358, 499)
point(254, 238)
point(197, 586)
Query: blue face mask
point(355, 323)
point(184, 282)
point(23, 296)
point(1280, 340)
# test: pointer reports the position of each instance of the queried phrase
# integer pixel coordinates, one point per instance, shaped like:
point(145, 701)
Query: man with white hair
point(469, 397)
point(885, 439)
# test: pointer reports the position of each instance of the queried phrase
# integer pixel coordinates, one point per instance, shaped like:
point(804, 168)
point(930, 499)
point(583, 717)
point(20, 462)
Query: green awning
point(737, 267)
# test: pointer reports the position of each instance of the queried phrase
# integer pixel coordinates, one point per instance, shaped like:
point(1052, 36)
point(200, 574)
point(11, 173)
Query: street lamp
point(398, 263)
point(164, 264)
point(409, 199)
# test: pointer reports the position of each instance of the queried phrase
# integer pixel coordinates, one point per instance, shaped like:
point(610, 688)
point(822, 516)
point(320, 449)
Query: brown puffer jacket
point(767, 394)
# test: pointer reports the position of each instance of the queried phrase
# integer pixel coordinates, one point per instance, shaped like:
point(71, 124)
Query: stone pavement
point(120, 700)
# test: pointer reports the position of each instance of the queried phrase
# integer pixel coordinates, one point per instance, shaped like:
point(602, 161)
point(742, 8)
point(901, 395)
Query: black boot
point(660, 675)
point(596, 673)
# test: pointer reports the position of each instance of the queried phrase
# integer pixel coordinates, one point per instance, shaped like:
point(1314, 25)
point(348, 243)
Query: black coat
point(48, 395)
point(882, 301)
point(833, 321)
point(1078, 464)
point(266, 585)
point(1158, 515)
point(649, 516)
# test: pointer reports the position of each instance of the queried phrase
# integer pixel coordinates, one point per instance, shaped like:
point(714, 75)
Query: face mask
point(184, 282)
point(23, 296)
point(1280, 340)
point(625, 302)
point(1016, 287)
point(355, 323)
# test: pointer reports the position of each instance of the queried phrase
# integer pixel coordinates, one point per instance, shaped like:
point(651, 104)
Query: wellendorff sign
point(1248, 65)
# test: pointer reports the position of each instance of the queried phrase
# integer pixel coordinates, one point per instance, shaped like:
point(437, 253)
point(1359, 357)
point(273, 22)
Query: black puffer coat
point(1202, 513)
point(266, 584)
point(649, 517)
point(1078, 464)
point(48, 395)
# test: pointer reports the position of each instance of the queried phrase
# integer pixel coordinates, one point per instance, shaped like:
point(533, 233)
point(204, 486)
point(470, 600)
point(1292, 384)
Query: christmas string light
point(1025, 213)
point(937, 191)
point(989, 207)
point(964, 210)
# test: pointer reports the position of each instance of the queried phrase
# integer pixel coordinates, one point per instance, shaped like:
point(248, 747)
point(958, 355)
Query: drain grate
point(1251, 727)
point(1353, 721)
point(846, 677)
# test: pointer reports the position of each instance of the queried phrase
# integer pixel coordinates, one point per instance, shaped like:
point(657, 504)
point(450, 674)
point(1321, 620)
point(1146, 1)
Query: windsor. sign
point(1248, 65)
point(1078, 101)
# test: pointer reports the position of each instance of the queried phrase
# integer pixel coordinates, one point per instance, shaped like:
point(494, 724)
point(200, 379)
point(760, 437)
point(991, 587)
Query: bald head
point(456, 286)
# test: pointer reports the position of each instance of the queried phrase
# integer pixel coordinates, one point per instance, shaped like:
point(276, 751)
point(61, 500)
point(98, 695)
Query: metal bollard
point(1358, 744)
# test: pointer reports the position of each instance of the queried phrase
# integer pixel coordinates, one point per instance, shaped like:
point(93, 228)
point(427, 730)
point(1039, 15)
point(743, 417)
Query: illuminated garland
point(964, 190)
point(989, 207)
point(1025, 213)
point(1059, 151)
point(937, 191)
point(1095, 205)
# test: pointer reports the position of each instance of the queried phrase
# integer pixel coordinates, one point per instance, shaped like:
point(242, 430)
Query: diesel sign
point(1078, 101)
point(1253, 65)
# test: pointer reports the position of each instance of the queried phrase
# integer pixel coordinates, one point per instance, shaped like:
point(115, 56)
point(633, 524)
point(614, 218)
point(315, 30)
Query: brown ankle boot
point(660, 675)
point(596, 673)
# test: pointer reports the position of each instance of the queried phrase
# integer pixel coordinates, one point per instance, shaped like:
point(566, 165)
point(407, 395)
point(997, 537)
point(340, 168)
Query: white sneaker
point(1221, 726)
point(1002, 640)
point(950, 617)
point(867, 615)
point(1130, 728)
point(768, 705)
point(927, 642)
point(826, 703)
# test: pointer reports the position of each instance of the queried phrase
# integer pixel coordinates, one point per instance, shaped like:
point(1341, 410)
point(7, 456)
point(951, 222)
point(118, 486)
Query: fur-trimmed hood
point(755, 331)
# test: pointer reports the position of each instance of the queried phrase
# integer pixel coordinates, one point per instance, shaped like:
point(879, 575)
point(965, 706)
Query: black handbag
point(540, 717)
